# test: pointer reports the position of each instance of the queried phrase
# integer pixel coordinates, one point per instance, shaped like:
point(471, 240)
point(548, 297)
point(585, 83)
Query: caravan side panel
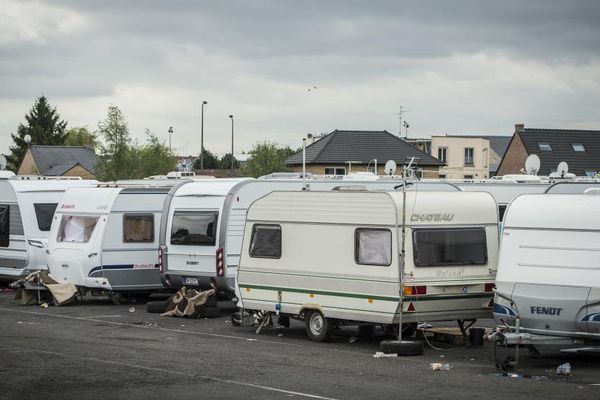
point(14, 257)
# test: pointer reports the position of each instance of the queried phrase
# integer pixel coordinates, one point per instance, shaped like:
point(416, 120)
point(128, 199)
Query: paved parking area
point(99, 350)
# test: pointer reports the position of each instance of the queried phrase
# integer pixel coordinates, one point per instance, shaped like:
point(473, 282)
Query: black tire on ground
point(156, 306)
point(408, 330)
point(212, 301)
point(317, 326)
point(210, 312)
point(403, 348)
point(236, 318)
point(366, 330)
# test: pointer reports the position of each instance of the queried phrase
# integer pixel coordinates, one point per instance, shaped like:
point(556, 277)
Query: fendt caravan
point(201, 237)
point(107, 238)
point(548, 282)
point(27, 206)
point(332, 258)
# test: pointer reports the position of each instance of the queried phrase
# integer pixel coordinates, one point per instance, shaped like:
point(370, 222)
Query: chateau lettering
point(431, 217)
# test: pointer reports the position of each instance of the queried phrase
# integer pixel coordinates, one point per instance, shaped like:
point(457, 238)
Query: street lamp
point(231, 117)
point(202, 138)
point(170, 133)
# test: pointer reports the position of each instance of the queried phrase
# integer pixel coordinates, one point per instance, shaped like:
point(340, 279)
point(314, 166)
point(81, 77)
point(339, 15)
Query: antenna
point(390, 167)
point(400, 113)
point(2, 162)
point(562, 169)
point(532, 164)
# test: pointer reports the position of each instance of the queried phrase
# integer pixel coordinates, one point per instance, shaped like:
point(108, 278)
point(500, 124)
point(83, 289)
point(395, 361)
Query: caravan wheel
point(317, 326)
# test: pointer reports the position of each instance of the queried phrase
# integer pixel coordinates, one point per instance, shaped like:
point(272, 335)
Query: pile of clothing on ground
point(188, 303)
point(39, 288)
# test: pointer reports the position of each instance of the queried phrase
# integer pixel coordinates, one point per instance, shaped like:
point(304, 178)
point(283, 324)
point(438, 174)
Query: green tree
point(81, 136)
point(267, 157)
point(154, 158)
point(226, 162)
point(118, 158)
point(43, 124)
point(210, 161)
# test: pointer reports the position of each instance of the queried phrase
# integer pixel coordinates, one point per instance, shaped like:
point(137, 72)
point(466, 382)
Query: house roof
point(561, 141)
point(339, 147)
point(56, 160)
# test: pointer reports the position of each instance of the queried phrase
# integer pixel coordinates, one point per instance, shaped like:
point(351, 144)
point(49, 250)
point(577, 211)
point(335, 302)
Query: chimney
point(519, 127)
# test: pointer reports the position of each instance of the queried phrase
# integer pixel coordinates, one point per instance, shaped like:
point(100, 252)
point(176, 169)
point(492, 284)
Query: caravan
point(201, 237)
point(27, 205)
point(107, 237)
point(548, 282)
point(336, 257)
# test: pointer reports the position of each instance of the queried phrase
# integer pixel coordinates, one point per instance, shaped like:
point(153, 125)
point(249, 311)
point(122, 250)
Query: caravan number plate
point(191, 281)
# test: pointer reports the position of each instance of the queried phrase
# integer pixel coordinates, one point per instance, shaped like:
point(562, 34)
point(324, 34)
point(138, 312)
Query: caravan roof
point(216, 187)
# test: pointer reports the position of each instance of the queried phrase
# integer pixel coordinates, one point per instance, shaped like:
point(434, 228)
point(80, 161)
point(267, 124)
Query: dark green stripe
point(448, 297)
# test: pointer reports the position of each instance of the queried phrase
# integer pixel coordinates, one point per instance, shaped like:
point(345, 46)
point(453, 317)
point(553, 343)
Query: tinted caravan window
point(138, 228)
point(4, 225)
point(458, 246)
point(373, 246)
point(194, 228)
point(44, 213)
point(265, 241)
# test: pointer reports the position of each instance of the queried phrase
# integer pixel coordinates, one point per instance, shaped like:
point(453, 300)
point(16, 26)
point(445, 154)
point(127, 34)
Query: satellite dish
point(562, 168)
point(390, 167)
point(532, 164)
point(2, 162)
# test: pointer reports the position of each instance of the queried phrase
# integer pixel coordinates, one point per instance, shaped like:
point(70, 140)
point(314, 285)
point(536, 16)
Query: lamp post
point(231, 117)
point(170, 133)
point(202, 138)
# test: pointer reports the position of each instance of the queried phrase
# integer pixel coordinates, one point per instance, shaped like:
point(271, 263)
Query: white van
point(221, 205)
point(334, 257)
point(107, 238)
point(549, 266)
point(27, 205)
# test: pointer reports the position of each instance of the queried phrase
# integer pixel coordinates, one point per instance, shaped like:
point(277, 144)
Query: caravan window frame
point(37, 209)
point(357, 258)
point(5, 226)
point(454, 231)
point(255, 229)
point(138, 215)
point(60, 236)
point(205, 243)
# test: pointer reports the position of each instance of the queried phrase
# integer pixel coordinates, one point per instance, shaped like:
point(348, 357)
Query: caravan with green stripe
point(339, 258)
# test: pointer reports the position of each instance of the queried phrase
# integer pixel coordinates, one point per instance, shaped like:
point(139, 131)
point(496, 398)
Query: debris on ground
point(191, 303)
point(131, 309)
point(44, 305)
point(424, 325)
point(439, 366)
point(564, 369)
point(38, 287)
point(380, 354)
point(352, 339)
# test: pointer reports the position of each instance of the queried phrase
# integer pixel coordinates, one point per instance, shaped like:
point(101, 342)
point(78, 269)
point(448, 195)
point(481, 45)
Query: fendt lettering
point(545, 310)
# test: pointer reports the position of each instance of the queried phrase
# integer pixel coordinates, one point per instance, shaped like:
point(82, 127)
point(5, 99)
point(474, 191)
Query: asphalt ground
point(97, 350)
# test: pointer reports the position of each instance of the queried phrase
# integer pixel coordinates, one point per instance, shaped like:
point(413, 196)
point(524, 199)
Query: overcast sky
point(459, 67)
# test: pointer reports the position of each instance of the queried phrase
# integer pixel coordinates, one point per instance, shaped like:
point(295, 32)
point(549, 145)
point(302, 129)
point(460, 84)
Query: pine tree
point(44, 126)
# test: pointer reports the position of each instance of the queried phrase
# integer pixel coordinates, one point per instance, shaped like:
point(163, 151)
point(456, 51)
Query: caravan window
point(4, 225)
point(76, 229)
point(192, 228)
point(458, 246)
point(44, 213)
point(373, 246)
point(138, 228)
point(265, 241)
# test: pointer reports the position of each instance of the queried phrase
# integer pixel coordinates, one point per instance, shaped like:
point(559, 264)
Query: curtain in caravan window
point(76, 229)
point(44, 213)
point(4, 225)
point(138, 228)
point(373, 246)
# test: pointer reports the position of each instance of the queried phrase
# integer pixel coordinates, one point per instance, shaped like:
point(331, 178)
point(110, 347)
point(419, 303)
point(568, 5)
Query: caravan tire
point(210, 312)
point(156, 307)
point(317, 326)
point(403, 348)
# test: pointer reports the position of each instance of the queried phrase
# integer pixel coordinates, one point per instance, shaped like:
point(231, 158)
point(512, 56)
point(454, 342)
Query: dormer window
point(545, 146)
point(578, 147)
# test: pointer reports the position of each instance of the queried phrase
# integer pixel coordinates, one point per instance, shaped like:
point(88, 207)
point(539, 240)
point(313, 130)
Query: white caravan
point(107, 238)
point(548, 280)
point(504, 191)
point(27, 205)
point(583, 186)
point(335, 257)
point(201, 239)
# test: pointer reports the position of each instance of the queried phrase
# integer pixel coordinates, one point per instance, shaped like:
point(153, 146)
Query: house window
point(442, 176)
point(590, 173)
point(265, 241)
point(194, 228)
point(76, 229)
point(373, 246)
point(4, 225)
point(456, 246)
point(138, 228)
point(579, 147)
point(468, 156)
point(44, 212)
point(545, 146)
point(335, 171)
point(442, 154)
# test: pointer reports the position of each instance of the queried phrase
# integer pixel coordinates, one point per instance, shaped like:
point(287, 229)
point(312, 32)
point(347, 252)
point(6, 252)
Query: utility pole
point(170, 133)
point(232, 172)
point(202, 138)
